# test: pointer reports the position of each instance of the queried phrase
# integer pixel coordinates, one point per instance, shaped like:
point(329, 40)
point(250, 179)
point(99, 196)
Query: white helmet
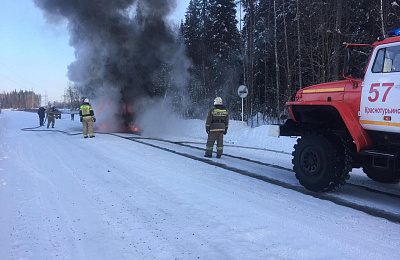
point(86, 100)
point(218, 101)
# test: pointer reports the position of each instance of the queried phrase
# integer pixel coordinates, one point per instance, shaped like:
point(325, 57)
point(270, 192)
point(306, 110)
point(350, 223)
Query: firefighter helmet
point(218, 101)
point(86, 100)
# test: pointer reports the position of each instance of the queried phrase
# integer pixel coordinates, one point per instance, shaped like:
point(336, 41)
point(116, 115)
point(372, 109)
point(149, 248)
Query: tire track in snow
point(185, 144)
point(323, 196)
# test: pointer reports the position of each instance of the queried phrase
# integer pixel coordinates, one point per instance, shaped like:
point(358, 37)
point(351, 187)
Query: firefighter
point(41, 115)
point(87, 118)
point(51, 117)
point(216, 127)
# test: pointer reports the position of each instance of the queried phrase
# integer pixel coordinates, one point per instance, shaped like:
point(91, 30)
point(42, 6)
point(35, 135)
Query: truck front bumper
point(289, 128)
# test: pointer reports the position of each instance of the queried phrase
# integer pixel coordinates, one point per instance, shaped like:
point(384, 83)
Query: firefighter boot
point(219, 152)
point(208, 152)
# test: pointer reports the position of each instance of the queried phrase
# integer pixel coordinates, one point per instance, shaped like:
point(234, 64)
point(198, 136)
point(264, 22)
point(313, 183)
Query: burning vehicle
point(119, 120)
point(125, 51)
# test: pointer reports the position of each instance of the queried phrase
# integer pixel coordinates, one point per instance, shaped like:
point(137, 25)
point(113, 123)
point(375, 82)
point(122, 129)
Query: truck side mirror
point(346, 61)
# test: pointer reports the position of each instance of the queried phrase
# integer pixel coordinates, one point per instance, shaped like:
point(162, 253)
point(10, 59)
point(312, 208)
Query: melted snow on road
point(66, 197)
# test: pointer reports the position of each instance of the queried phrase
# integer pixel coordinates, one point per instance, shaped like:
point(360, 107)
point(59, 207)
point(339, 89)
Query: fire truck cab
point(380, 107)
point(353, 123)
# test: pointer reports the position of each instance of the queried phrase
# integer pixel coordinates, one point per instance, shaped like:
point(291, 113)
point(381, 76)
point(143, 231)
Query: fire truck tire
point(381, 175)
point(321, 162)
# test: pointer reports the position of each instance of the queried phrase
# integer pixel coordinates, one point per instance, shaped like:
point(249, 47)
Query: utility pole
point(46, 101)
point(33, 98)
point(64, 98)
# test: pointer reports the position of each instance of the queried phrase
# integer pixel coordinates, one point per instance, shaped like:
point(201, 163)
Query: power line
point(26, 87)
point(19, 76)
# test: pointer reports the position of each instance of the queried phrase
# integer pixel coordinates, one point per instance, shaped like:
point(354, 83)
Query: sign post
point(242, 92)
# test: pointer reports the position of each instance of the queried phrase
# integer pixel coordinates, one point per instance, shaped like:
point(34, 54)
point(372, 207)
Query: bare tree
point(299, 44)
point(337, 39)
point(278, 110)
point(73, 95)
point(288, 66)
point(382, 21)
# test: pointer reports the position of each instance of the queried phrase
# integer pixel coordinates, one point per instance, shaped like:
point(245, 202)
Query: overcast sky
point(34, 55)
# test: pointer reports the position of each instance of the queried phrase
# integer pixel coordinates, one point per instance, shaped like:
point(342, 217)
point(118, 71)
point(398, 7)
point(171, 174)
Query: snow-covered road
point(66, 197)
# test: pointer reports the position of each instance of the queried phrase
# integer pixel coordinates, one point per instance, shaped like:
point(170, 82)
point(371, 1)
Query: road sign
point(243, 91)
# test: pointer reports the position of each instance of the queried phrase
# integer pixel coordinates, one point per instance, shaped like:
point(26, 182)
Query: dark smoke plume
point(120, 47)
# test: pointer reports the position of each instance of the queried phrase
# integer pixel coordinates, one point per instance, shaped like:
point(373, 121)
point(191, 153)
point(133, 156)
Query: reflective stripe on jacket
point(217, 119)
point(51, 113)
point(86, 110)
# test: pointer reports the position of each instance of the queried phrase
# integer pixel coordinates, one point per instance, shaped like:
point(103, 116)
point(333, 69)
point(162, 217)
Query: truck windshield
point(355, 60)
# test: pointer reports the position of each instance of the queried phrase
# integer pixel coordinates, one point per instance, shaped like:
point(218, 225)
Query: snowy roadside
point(238, 133)
point(66, 197)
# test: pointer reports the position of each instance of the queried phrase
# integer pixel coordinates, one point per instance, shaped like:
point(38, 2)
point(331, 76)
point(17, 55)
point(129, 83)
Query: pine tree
point(212, 41)
point(225, 49)
point(192, 31)
point(248, 33)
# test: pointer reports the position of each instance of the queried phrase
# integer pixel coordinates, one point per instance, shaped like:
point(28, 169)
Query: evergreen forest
point(274, 48)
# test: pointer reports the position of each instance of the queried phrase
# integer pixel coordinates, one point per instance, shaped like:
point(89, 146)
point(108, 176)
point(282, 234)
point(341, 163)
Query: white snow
point(66, 197)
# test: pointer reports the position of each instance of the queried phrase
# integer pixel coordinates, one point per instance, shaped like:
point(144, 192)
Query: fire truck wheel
point(381, 175)
point(321, 162)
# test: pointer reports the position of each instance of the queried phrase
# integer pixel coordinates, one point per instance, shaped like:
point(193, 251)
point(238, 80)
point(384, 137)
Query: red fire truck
point(353, 123)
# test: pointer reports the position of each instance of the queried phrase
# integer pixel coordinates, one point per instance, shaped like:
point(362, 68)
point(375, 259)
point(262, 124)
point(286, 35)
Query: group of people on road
point(86, 114)
point(216, 124)
point(50, 116)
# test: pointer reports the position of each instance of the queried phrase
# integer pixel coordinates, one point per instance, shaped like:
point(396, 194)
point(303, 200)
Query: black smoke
point(120, 47)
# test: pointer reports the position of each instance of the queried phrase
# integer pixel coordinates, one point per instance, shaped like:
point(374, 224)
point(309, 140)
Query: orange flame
point(110, 123)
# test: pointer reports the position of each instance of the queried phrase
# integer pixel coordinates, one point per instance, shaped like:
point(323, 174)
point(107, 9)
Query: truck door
point(380, 96)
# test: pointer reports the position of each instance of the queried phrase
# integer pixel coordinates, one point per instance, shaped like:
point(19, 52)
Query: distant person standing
point(87, 118)
point(51, 117)
point(216, 127)
point(41, 115)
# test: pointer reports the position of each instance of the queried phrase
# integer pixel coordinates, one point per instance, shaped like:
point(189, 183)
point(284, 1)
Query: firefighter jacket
point(86, 110)
point(51, 113)
point(217, 119)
